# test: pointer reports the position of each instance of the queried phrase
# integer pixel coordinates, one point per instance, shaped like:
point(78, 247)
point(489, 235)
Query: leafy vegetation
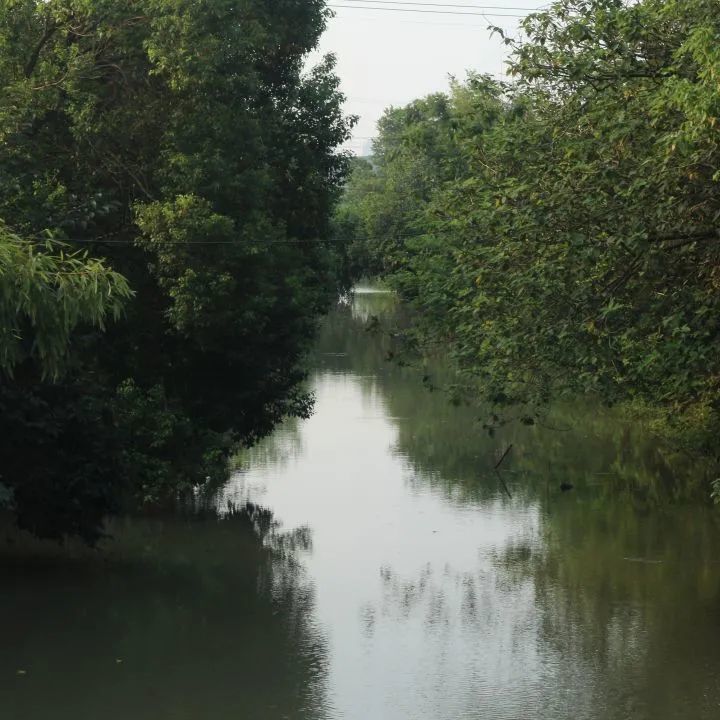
point(182, 145)
point(559, 234)
point(45, 294)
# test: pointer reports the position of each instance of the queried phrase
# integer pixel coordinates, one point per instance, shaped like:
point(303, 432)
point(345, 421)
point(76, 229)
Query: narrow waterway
point(399, 577)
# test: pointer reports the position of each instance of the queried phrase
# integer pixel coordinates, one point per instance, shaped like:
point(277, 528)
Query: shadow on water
point(191, 617)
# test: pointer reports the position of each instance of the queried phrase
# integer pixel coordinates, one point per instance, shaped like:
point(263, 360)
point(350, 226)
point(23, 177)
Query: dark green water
point(403, 581)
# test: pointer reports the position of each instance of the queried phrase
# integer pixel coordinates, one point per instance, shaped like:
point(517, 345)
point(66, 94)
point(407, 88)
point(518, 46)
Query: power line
point(443, 5)
point(431, 24)
point(434, 12)
point(261, 243)
point(145, 244)
point(108, 239)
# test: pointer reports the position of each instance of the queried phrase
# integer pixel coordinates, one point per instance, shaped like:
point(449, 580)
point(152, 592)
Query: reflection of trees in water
point(279, 448)
point(475, 597)
point(478, 632)
point(593, 448)
point(576, 623)
point(618, 634)
point(632, 598)
point(177, 618)
point(596, 452)
point(350, 341)
point(335, 350)
point(367, 304)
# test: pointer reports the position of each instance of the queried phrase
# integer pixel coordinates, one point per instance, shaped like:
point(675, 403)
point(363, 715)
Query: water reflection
point(442, 597)
point(177, 618)
point(594, 448)
point(403, 581)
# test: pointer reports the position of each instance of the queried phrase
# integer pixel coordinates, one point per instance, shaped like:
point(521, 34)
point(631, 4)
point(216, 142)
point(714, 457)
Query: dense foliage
point(559, 234)
point(45, 294)
point(181, 143)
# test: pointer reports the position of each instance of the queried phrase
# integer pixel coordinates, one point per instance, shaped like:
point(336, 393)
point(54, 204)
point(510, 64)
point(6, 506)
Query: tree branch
point(50, 29)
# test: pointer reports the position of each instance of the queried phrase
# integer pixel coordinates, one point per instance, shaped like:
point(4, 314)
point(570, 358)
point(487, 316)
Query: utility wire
point(42, 238)
point(434, 12)
point(144, 244)
point(467, 25)
point(247, 243)
point(443, 5)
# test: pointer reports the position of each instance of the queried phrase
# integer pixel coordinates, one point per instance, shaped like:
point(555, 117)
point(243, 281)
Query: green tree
point(184, 145)
point(44, 295)
point(574, 251)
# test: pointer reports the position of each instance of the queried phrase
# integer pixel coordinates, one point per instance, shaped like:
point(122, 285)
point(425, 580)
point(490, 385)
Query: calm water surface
point(399, 577)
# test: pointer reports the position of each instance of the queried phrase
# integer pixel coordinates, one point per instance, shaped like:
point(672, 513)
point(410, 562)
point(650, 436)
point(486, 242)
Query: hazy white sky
point(390, 57)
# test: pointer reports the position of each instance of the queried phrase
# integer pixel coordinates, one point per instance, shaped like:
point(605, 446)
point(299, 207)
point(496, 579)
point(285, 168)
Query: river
point(397, 576)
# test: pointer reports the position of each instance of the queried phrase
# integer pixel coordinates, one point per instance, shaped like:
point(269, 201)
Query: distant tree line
point(167, 173)
point(559, 234)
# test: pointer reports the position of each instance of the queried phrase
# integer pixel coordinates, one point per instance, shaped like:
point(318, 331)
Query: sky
point(390, 56)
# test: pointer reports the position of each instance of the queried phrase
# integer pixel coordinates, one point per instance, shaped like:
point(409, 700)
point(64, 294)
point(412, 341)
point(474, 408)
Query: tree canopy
point(185, 148)
point(559, 233)
point(45, 294)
